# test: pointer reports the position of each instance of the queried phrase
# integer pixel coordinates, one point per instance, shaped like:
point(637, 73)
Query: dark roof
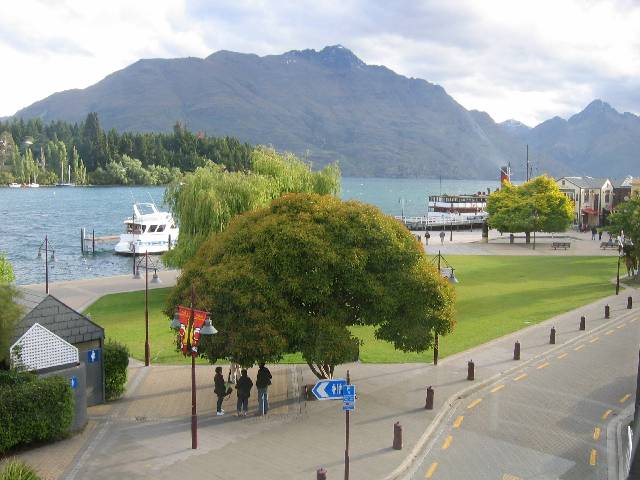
point(622, 182)
point(586, 182)
point(57, 317)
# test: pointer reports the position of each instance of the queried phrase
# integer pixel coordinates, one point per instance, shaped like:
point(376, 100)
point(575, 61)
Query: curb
point(418, 450)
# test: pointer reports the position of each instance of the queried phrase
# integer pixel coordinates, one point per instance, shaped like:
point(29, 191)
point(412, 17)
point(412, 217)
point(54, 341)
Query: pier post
point(82, 240)
point(93, 241)
point(169, 241)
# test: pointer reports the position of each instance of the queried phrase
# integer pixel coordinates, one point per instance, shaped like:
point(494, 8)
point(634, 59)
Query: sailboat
point(63, 184)
point(33, 184)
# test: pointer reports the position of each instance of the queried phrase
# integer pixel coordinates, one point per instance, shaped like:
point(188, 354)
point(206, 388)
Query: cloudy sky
point(528, 60)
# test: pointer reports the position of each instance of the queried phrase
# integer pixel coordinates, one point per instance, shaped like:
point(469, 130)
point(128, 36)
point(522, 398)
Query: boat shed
point(72, 327)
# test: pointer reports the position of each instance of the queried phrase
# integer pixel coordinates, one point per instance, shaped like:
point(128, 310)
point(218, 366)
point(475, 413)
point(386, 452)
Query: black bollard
point(429, 402)
point(552, 336)
point(321, 474)
point(606, 311)
point(516, 351)
point(397, 436)
point(471, 373)
point(583, 323)
point(629, 303)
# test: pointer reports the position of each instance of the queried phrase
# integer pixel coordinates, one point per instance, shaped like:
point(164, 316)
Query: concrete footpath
point(147, 434)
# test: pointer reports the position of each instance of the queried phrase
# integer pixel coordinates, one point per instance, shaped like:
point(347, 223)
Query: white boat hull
point(156, 244)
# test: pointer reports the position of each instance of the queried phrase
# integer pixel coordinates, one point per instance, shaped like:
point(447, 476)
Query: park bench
point(609, 244)
point(557, 245)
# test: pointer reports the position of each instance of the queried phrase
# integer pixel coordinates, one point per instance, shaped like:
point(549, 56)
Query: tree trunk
point(528, 237)
point(321, 371)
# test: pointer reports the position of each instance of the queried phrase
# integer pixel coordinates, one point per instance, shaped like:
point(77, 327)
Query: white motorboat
point(14, 185)
point(148, 230)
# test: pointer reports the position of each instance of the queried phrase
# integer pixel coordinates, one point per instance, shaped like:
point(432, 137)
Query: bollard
point(629, 303)
point(397, 436)
point(321, 474)
point(552, 336)
point(583, 323)
point(471, 374)
point(606, 311)
point(429, 403)
point(516, 351)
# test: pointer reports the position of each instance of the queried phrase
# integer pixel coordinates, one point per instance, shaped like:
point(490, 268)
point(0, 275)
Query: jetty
point(91, 240)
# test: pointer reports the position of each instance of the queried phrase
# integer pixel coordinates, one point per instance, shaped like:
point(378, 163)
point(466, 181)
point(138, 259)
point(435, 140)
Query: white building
point(593, 198)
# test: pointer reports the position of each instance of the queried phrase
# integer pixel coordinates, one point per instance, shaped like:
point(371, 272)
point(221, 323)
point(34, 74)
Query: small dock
point(437, 222)
point(88, 242)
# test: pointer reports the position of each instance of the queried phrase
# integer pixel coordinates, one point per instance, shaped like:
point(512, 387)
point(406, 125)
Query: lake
point(28, 214)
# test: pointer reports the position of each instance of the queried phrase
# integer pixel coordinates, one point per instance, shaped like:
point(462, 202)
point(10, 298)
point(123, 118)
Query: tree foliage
point(10, 312)
point(294, 276)
point(206, 200)
point(626, 219)
point(535, 206)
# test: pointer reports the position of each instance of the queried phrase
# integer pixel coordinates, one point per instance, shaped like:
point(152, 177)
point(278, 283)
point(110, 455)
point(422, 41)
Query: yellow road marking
point(592, 457)
point(562, 355)
point(458, 421)
point(495, 389)
point(432, 470)
point(609, 332)
point(620, 326)
point(625, 398)
point(508, 476)
point(447, 442)
point(474, 403)
point(520, 377)
point(596, 433)
point(578, 348)
point(593, 340)
point(632, 320)
point(544, 365)
point(606, 414)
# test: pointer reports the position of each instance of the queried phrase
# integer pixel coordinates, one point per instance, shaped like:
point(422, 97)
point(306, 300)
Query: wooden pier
point(91, 240)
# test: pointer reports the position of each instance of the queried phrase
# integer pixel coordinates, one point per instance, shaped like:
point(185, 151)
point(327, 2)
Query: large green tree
point(206, 200)
point(626, 219)
point(295, 276)
point(535, 206)
point(10, 312)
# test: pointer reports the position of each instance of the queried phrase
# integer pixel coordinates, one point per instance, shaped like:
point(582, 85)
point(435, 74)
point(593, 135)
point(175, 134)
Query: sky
point(526, 60)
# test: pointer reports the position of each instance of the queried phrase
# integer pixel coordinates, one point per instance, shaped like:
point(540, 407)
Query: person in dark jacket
point(243, 386)
point(263, 380)
point(220, 389)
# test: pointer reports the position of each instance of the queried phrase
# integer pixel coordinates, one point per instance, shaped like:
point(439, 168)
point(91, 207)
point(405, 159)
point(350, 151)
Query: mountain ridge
point(330, 105)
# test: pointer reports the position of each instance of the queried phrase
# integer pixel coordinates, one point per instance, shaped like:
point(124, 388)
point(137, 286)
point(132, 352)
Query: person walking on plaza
point(442, 235)
point(243, 387)
point(220, 389)
point(263, 380)
point(600, 235)
point(427, 236)
point(594, 230)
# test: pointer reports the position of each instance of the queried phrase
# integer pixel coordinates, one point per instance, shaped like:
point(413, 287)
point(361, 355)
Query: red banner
point(190, 337)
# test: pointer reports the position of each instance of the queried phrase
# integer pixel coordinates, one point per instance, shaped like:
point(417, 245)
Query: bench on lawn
point(557, 245)
point(604, 245)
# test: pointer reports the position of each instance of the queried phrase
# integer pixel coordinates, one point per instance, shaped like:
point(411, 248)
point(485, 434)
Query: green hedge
point(34, 410)
point(116, 361)
point(17, 470)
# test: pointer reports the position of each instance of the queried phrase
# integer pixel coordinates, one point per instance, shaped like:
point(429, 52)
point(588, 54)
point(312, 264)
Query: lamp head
point(175, 322)
point(208, 328)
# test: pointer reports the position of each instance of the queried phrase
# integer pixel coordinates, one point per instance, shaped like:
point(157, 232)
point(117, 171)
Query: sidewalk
point(147, 434)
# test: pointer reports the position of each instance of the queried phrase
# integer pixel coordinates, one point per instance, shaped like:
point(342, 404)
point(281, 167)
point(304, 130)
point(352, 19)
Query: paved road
point(546, 421)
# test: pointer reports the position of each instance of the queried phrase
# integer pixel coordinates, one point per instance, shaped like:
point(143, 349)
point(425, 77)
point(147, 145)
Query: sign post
point(346, 449)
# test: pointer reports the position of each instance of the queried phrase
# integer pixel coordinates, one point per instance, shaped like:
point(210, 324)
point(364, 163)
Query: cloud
point(528, 60)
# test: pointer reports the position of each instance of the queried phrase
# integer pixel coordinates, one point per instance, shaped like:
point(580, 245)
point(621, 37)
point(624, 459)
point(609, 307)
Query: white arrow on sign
point(93, 355)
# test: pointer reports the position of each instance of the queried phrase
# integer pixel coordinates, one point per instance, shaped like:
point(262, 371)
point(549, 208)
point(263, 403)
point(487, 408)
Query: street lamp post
point(45, 246)
point(156, 279)
point(453, 280)
point(189, 336)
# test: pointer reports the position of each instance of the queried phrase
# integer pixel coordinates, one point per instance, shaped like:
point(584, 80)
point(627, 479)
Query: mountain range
point(329, 105)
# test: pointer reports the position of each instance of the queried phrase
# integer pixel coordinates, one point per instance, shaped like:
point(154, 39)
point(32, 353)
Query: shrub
point(116, 361)
point(34, 410)
point(17, 470)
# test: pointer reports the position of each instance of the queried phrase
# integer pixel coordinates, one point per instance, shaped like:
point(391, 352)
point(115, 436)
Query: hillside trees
point(207, 199)
point(535, 206)
point(296, 275)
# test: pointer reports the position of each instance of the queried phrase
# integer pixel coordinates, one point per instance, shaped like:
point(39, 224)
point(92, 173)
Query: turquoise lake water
point(27, 215)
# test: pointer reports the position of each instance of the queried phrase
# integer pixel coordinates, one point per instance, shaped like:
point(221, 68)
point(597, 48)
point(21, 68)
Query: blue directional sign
point(349, 397)
point(93, 356)
point(329, 389)
point(74, 382)
point(348, 406)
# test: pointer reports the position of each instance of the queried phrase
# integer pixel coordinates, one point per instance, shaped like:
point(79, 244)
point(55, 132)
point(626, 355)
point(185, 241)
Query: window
point(160, 228)
point(152, 228)
point(586, 195)
point(606, 197)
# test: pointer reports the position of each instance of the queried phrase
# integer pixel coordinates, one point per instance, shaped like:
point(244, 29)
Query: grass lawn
point(495, 296)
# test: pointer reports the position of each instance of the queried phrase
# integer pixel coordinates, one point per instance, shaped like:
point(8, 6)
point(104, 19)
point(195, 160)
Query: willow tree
point(11, 312)
point(297, 275)
point(206, 200)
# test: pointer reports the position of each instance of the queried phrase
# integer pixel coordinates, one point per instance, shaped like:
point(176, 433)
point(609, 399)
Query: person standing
point(594, 230)
point(427, 236)
point(442, 235)
point(263, 380)
point(243, 386)
point(220, 389)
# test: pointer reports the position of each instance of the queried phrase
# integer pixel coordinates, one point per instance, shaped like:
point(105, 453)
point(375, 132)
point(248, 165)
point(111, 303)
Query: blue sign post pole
point(346, 449)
